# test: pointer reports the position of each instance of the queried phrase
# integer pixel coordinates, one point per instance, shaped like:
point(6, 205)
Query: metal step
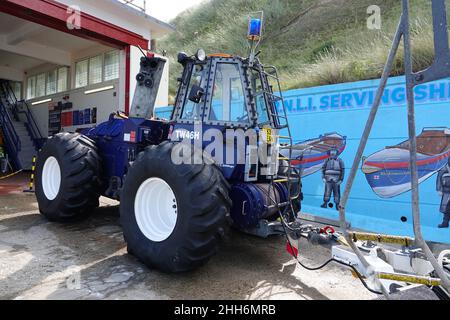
point(291, 178)
point(21, 132)
point(285, 140)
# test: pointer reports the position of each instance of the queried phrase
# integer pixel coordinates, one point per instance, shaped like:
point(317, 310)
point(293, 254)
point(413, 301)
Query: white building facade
point(75, 61)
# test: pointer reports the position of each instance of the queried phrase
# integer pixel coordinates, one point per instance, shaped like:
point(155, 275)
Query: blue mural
point(381, 198)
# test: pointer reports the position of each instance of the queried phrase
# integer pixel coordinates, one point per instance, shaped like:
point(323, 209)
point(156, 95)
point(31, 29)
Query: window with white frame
point(97, 69)
point(52, 80)
point(81, 74)
point(40, 85)
point(63, 74)
point(111, 71)
point(44, 84)
point(31, 87)
point(17, 89)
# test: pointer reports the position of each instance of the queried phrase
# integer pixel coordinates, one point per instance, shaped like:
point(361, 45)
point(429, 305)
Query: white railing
point(137, 4)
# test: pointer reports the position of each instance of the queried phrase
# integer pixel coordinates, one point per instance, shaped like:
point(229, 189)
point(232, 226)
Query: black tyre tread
point(210, 205)
point(81, 176)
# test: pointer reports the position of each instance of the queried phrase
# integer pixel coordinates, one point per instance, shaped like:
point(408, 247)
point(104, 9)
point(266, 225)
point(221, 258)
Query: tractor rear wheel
point(68, 177)
point(173, 216)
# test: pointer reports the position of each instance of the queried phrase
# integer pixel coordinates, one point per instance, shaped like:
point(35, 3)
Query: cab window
point(228, 100)
point(192, 110)
point(261, 106)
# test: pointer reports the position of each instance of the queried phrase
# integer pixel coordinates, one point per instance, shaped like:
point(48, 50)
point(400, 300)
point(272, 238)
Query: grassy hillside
point(312, 42)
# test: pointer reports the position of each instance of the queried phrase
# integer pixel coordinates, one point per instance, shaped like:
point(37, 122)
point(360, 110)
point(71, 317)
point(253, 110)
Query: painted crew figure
point(333, 172)
point(443, 188)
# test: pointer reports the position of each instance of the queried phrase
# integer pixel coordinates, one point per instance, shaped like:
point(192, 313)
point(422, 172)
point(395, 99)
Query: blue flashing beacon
point(254, 29)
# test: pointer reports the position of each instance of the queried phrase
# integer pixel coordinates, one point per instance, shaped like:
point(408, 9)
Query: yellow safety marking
point(281, 180)
point(283, 158)
point(382, 238)
point(33, 170)
point(268, 135)
point(428, 281)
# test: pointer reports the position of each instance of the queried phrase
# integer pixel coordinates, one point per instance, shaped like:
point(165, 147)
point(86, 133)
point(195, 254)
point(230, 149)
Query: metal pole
point(441, 46)
point(364, 139)
point(413, 152)
point(363, 143)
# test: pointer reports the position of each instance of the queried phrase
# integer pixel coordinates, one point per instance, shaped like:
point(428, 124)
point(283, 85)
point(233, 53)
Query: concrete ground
point(88, 260)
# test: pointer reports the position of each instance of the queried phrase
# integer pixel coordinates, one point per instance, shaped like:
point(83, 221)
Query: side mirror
point(196, 93)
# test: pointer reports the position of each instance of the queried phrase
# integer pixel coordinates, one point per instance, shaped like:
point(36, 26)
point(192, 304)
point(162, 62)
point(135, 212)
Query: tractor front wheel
point(173, 215)
point(68, 177)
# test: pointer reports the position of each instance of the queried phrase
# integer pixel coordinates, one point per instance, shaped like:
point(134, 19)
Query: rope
point(356, 272)
point(11, 175)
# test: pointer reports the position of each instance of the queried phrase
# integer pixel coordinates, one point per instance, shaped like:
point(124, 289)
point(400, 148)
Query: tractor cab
point(233, 95)
point(224, 90)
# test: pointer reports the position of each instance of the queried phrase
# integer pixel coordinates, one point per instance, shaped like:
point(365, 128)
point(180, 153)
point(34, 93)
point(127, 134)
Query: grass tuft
point(312, 42)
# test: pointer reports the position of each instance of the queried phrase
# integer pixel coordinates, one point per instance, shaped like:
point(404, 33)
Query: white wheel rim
point(156, 209)
point(51, 178)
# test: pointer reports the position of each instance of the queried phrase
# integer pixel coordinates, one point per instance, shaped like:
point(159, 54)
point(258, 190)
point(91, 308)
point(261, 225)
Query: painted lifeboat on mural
point(310, 155)
point(387, 171)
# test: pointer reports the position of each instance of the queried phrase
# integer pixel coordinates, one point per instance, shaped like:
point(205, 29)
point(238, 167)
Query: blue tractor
point(176, 199)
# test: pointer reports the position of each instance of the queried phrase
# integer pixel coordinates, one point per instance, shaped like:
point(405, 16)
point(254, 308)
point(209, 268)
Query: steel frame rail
point(13, 143)
point(438, 70)
point(31, 125)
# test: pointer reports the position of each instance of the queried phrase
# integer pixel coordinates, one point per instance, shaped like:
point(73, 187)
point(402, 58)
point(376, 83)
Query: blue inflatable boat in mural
point(387, 171)
point(310, 155)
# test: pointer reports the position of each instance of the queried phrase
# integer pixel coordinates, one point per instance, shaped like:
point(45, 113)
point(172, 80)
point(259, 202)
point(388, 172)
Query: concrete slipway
point(88, 260)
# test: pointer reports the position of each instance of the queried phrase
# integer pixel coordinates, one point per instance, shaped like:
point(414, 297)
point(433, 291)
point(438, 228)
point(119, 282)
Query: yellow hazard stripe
point(382, 238)
point(428, 281)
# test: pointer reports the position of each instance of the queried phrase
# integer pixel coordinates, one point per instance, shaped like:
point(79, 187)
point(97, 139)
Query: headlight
point(200, 55)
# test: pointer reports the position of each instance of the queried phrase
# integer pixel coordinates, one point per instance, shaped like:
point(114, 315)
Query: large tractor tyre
point(173, 216)
point(68, 177)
